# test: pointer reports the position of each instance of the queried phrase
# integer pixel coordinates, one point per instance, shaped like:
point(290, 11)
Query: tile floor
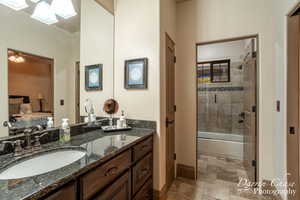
point(217, 180)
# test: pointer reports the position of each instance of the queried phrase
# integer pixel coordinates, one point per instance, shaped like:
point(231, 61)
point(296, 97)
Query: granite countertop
point(100, 147)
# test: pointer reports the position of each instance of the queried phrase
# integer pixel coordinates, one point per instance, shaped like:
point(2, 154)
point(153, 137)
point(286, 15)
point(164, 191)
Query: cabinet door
point(102, 176)
point(141, 172)
point(142, 149)
point(119, 190)
point(67, 192)
point(146, 193)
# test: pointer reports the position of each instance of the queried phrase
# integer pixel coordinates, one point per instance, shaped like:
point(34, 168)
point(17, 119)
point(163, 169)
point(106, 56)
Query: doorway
point(170, 111)
point(227, 106)
point(293, 97)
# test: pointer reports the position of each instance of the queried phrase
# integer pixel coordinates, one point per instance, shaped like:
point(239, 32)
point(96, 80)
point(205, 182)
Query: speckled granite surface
point(99, 146)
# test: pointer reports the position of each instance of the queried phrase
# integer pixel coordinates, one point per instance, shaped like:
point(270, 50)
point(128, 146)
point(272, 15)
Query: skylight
point(44, 13)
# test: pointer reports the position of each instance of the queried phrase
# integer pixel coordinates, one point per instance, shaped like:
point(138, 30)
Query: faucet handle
point(17, 146)
point(7, 124)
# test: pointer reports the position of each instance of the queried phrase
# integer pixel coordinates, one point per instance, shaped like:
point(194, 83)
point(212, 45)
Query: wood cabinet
point(119, 190)
point(68, 192)
point(126, 176)
point(100, 177)
point(142, 149)
point(141, 172)
point(146, 193)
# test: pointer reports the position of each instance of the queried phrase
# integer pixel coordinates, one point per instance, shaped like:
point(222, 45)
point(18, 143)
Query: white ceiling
point(71, 25)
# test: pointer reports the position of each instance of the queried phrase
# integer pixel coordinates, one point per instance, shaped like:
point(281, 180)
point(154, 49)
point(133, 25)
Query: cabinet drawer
point(141, 172)
point(146, 193)
point(94, 181)
point(142, 149)
point(119, 190)
point(67, 192)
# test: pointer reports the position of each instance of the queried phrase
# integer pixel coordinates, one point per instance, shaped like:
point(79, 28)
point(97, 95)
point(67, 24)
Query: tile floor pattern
point(217, 180)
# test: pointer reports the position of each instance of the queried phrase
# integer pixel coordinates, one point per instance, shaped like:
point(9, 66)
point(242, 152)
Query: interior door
point(249, 116)
point(293, 106)
point(170, 110)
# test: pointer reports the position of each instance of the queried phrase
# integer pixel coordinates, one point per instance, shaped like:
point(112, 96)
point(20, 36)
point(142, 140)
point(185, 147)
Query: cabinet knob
point(111, 171)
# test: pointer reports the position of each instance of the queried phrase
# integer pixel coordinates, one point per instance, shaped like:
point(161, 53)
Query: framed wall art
point(94, 77)
point(136, 74)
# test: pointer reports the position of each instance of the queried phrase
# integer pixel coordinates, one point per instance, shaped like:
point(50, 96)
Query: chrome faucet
point(37, 143)
point(28, 132)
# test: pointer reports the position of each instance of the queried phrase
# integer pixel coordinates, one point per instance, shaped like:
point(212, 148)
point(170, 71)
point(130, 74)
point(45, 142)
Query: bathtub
point(220, 144)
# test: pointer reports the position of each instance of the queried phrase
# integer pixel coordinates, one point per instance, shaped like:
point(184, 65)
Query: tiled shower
point(221, 103)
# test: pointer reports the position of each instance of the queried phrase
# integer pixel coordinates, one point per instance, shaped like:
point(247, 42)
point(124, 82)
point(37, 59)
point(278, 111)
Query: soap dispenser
point(123, 120)
point(65, 135)
point(50, 123)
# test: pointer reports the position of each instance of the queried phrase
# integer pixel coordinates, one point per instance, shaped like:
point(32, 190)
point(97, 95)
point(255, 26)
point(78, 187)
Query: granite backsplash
point(76, 129)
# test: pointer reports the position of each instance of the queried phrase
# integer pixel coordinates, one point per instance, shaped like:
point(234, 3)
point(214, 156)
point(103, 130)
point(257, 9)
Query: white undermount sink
point(42, 163)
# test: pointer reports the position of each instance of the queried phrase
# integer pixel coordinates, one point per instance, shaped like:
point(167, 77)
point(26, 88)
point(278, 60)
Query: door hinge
point(254, 163)
point(254, 108)
point(175, 156)
point(292, 130)
point(175, 108)
point(175, 59)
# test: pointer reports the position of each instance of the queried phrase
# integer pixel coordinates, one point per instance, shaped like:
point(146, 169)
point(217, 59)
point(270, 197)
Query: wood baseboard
point(185, 171)
point(160, 195)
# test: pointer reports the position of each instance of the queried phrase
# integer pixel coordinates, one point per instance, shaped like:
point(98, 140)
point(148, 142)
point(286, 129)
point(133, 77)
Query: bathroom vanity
point(116, 165)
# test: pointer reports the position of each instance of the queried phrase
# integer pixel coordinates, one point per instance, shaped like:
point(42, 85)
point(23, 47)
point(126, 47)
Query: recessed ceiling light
point(35, 1)
point(44, 14)
point(64, 9)
point(14, 4)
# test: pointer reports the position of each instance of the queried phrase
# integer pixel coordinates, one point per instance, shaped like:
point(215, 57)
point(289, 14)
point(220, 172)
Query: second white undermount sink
point(42, 163)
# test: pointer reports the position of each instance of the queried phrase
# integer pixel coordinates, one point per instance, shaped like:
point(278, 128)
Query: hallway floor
point(217, 180)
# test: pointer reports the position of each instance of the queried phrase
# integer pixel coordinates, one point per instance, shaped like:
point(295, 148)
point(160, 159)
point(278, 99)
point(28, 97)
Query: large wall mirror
point(53, 59)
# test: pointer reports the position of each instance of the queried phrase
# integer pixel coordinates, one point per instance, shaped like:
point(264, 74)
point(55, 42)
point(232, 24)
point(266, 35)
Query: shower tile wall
point(222, 115)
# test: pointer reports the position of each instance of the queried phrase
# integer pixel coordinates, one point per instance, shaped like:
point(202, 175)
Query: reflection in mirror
point(30, 89)
point(96, 55)
point(43, 54)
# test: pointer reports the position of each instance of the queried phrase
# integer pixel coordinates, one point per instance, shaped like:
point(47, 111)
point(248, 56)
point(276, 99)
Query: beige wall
point(28, 35)
point(97, 43)
point(207, 20)
point(137, 36)
point(29, 79)
point(186, 84)
point(281, 9)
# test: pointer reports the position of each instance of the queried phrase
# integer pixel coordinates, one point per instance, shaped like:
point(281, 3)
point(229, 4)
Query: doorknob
point(169, 122)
